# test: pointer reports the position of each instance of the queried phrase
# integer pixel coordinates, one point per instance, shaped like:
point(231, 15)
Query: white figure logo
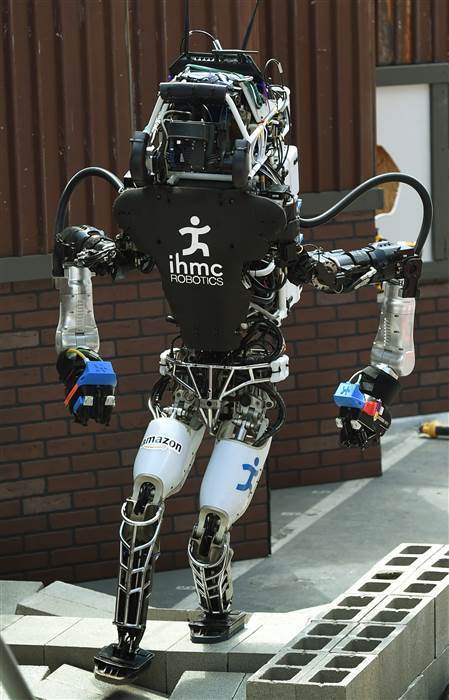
point(195, 232)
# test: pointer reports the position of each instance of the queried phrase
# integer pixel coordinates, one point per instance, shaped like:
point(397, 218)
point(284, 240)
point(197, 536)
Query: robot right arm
point(81, 252)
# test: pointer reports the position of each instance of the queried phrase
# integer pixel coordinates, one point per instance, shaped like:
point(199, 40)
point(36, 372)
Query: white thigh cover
point(166, 453)
point(232, 476)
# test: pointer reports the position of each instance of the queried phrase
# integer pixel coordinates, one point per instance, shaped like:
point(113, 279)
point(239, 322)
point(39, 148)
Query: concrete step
point(71, 683)
point(11, 592)
point(210, 685)
point(66, 600)
point(432, 682)
point(32, 675)
point(74, 641)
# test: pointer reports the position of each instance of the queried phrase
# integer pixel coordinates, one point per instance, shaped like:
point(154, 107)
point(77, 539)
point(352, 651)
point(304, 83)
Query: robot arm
point(80, 252)
point(364, 400)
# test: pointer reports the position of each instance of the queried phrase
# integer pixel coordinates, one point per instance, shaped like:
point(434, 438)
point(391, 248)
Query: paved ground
point(325, 537)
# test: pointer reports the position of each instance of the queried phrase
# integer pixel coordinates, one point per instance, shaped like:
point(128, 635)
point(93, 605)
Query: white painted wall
point(403, 129)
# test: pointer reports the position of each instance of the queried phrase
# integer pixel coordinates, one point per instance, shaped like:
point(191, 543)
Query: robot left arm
point(365, 399)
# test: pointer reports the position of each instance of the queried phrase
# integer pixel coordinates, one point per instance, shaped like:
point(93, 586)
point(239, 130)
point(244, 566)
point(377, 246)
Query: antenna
point(250, 27)
point(186, 26)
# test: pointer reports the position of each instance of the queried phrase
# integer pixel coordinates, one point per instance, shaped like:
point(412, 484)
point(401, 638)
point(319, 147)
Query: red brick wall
point(62, 484)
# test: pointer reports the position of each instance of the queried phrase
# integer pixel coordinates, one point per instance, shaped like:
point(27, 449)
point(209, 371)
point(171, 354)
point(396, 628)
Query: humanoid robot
point(212, 199)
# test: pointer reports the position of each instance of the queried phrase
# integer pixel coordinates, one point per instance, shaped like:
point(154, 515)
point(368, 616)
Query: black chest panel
point(200, 239)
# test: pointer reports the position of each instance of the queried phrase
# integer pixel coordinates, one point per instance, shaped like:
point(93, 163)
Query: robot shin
point(228, 486)
point(161, 467)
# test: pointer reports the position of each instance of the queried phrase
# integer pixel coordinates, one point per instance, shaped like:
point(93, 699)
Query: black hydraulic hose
point(61, 212)
point(368, 185)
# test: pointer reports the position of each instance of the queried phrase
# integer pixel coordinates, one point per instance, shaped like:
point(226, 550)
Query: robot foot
point(211, 629)
point(113, 667)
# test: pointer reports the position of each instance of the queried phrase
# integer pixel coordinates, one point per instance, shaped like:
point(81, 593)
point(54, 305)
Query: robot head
point(217, 118)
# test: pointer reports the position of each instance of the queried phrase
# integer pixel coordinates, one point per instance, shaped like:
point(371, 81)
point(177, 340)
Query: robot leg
point(160, 469)
point(226, 492)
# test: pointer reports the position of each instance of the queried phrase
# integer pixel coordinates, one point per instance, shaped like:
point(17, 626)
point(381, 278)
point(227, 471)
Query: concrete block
point(432, 682)
point(341, 677)
point(417, 615)
point(321, 636)
point(382, 578)
point(32, 675)
point(6, 620)
point(425, 584)
point(240, 694)
point(79, 681)
point(330, 677)
point(66, 600)
point(204, 685)
point(28, 636)
point(350, 607)
point(254, 651)
point(402, 650)
point(186, 656)
point(388, 644)
point(78, 645)
point(11, 592)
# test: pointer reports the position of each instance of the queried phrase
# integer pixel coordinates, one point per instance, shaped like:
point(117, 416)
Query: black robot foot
point(112, 667)
point(211, 629)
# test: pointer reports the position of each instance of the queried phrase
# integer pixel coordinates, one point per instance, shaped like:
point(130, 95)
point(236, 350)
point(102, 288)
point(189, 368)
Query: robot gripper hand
point(89, 383)
point(364, 406)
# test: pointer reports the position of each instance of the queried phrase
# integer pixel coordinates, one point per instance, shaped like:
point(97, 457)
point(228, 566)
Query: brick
point(36, 319)
point(42, 394)
point(139, 309)
point(20, 377)
point(20, 415)
point(74, 445)
point(7, 397)
point(97, 497)
point(22, 562)
point(44, 504)
point(73, 555)
point(10, 509)
point(44, 430)
point(439, 377)
point(15, 489)
point(53, 540)
point(98, 533)
point(6, 359)
point(95, 461)
point(70, 482)
point(119, 329)
point(45, 467)
point(5, 322)
point(114, 477)
point(9, 434)
point(72, 519)
point(22, 302)
point(13, 526)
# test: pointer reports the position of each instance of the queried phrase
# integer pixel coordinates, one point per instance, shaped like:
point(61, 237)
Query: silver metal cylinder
point(76, 327)
point(393, 344)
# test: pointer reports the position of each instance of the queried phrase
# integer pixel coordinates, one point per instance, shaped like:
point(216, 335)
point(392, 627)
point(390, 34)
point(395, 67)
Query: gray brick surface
point(207, 685)
point(11, 592)
point(28, 636)
point(430, 684)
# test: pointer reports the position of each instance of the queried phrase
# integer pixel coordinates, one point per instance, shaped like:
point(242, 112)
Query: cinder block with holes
point(333, 676)
point(350, 607)
point(431, 682)
point(384, 576)
point(415, 647)
point(432, 580)
point(388, 643)
point(320, 636)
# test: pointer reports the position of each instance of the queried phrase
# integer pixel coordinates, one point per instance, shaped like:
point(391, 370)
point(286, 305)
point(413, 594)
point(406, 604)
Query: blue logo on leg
point(252, 473)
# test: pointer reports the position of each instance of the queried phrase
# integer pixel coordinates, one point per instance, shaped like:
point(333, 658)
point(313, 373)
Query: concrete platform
point(32, 675)
point(385, 638)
